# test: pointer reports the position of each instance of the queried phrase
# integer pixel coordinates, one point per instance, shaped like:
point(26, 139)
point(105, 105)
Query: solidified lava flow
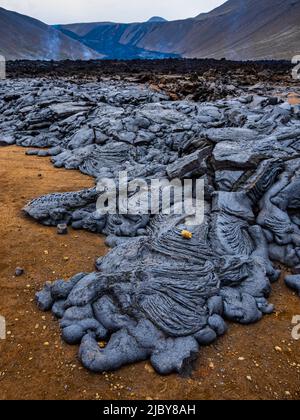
point(160, 294)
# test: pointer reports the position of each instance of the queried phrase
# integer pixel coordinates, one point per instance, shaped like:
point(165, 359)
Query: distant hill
point(22, 37)
point(157, 19)
point(109, 39)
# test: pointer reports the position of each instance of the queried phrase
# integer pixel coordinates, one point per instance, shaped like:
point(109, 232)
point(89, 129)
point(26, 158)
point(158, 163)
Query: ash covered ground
point(158, 295)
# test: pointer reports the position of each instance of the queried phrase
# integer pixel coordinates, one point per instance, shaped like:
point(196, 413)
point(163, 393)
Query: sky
point(69, 11)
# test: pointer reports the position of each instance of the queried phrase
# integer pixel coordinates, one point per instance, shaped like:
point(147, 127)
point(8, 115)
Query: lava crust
point(159, 295)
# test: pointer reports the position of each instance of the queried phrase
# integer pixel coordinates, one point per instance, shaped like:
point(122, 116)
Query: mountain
point(157, 19)
point(22, 37)
point(250, 29)
point(110, 39)
point(239, 30)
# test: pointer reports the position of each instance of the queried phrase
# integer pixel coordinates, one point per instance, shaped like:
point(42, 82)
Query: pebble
point(211, 365)
point(62, 229)
point(19, 271)
point(186, 234)
point(149, 368)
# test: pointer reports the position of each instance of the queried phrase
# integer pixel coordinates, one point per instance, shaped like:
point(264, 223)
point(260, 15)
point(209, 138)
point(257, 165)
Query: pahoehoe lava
point(157, 295)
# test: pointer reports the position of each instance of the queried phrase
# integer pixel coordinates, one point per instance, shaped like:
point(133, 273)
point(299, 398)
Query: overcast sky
point(67, 11)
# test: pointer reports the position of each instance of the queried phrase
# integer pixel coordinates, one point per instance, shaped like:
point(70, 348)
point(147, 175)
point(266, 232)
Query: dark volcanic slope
point(107, 39)
point(128, 41)
point(249, 29)
point(239, 30)
point(22, 37)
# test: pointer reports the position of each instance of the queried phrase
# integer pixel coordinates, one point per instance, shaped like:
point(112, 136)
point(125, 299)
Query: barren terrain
point(250, 362)
point(260, 361)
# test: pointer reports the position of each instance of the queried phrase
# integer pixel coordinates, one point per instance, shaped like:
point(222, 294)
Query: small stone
point(278, 349)
point(62, 229)
point(186, 234)
point(19, 271)
point(241, 359)
point(149, 368)
point(249, 378)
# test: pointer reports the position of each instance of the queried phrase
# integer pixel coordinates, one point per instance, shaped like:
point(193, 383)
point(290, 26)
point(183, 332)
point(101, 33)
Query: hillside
point(22, 37)
point(117, 40)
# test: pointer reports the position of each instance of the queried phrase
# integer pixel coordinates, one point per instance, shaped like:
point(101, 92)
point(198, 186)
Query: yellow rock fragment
point(186, 234)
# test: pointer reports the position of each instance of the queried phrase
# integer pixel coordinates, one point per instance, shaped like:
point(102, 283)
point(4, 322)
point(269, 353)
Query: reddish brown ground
point(29, 369)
